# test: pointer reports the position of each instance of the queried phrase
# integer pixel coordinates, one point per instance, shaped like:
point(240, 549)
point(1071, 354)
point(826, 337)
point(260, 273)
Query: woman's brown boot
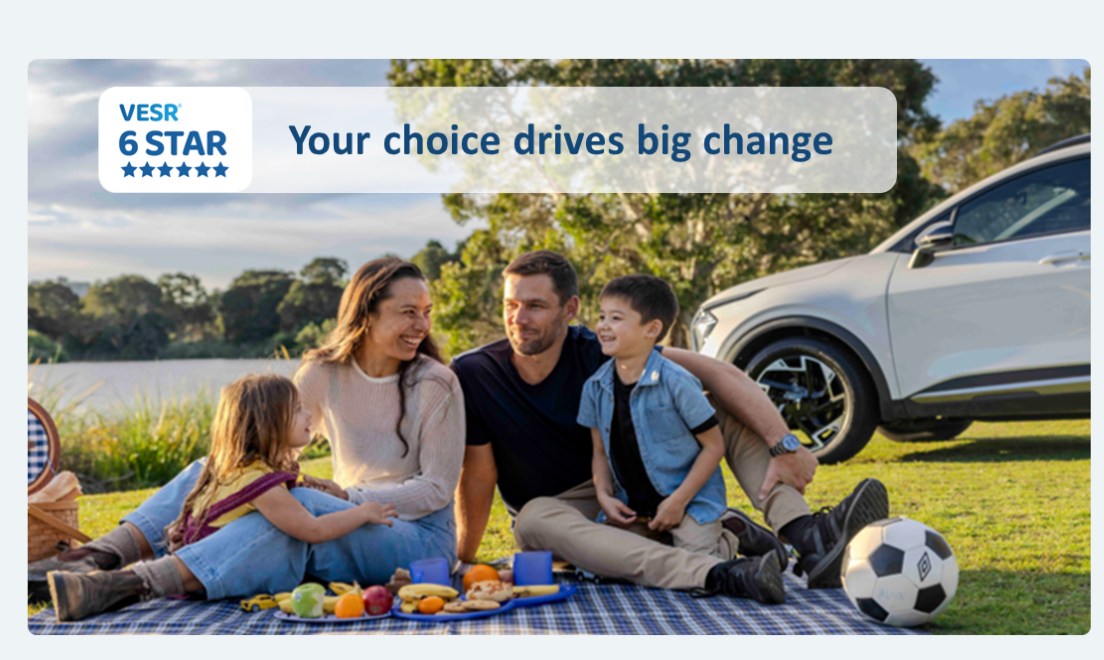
point(77, 596)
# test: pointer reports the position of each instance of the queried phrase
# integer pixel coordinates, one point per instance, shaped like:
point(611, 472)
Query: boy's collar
point(650, 375)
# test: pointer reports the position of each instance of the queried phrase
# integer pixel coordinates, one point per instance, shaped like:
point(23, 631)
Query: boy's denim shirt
point(666, 403)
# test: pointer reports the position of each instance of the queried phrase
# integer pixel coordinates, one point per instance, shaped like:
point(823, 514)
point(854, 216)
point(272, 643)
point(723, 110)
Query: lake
point(99, 383)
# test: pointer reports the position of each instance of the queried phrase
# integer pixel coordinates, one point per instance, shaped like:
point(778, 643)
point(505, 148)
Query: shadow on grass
point(991, 602)
point(1006, 450)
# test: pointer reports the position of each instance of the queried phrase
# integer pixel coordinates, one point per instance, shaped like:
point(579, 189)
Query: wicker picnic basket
point(53, 514)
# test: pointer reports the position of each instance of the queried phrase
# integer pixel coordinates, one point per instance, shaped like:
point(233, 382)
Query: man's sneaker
point(758, 578)
point(755, 540)
point(79, 596)
point(824, 537)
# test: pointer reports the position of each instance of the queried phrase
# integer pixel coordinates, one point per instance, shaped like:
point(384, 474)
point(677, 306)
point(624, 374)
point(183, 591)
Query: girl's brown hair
point(370, 286)
point(253, 422)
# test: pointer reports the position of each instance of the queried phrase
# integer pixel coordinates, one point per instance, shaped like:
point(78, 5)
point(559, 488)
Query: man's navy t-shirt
point(538, 447)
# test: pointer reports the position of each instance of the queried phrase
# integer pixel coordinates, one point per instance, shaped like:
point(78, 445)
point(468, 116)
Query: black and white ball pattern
point(900, 572)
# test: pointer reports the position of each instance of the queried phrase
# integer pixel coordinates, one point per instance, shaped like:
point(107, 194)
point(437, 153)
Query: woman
point(394, 415)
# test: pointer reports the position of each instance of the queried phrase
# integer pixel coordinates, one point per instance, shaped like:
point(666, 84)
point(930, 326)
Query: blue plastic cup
point(430, 571)
point(532, 568)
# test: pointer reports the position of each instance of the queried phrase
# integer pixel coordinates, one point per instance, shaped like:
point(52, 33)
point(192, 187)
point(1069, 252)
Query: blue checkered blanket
point(606, 609)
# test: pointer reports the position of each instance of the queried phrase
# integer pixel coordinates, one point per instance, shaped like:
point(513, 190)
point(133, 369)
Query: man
point(522, 397)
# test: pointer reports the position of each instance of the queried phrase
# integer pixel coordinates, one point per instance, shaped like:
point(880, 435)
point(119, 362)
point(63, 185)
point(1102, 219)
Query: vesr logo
point(149, 111)
point(150, 145)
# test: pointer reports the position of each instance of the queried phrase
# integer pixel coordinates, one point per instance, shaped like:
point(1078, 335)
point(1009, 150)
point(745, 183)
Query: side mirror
point(935, 239)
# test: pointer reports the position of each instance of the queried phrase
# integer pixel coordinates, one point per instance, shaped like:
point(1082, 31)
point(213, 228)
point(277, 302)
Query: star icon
point(183, 169)
point(147, 169)
point(202, 170)
point(165, 170)
point(220, 169)
point(128, 170)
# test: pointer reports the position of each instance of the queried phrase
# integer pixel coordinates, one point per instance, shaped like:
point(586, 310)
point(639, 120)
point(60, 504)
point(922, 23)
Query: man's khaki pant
point(565, 524)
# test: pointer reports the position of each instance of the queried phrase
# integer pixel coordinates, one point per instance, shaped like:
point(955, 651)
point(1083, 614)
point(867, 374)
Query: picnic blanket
point(598, 609)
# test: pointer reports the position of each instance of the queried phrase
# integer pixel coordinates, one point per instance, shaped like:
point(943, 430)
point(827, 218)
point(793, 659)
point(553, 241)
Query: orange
point(431, 605)
point(349, 606)
point(479, 573)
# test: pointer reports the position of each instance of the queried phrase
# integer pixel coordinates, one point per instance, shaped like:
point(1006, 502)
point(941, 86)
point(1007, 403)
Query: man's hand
point(326, 486)
point(668, 515)
point(793, 469)
point(619, 513)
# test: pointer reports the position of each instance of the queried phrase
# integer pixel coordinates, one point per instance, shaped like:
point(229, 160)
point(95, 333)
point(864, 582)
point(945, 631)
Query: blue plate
point(430, 618)
point(328, 618)
point(566, 591)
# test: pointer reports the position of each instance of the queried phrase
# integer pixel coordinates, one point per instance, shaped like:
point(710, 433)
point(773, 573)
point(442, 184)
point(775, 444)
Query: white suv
point(978, 309)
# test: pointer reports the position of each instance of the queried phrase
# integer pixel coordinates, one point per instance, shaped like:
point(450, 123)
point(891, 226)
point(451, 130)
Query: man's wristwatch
point(788, 444)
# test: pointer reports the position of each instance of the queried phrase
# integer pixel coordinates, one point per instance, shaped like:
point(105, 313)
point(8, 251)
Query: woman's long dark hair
point(370, 286)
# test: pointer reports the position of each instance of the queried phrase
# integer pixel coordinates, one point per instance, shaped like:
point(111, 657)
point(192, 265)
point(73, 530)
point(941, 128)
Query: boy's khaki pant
point(565, 525)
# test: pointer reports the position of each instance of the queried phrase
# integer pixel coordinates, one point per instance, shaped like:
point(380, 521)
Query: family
point(605, 448)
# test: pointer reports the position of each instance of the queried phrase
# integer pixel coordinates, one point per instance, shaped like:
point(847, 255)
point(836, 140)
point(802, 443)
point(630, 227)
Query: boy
point(657, 446)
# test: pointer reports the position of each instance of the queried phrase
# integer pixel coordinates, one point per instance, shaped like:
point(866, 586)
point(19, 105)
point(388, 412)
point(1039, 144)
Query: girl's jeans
point(250, 556)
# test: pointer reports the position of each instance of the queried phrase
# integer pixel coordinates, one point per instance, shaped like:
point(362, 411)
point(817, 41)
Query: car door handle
point(1065, 256)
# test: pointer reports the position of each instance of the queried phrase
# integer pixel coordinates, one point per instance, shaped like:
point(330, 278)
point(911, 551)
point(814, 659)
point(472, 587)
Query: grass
point(1012, 500)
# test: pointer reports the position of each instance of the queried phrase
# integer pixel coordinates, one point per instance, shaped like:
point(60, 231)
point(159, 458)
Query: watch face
point(791, 442)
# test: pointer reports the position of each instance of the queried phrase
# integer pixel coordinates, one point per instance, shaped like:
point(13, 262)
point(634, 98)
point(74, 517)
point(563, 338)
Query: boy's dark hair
point(552, 264)
point(649, 296)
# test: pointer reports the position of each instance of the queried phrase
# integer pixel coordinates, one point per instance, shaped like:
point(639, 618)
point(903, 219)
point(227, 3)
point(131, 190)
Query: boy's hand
point(619, 513)
point(325, 485)
point(668, 515)
point(378, 514)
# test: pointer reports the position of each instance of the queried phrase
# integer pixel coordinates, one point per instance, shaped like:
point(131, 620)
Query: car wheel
point(928, 429)
point(824, 394)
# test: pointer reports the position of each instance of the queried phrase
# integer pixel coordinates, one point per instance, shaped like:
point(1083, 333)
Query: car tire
point(929, 429)
point(780, 365)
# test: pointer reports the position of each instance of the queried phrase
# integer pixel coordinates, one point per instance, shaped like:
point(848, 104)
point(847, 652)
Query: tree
point(700, 243)
point(1005, 132)
point(315, 297)
point(129, 319)
point(53, 309)
point(188, 304)
point(248, 308)
point(432, 257)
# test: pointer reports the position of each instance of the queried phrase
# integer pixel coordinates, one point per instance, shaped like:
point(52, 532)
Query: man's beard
point(539, 344)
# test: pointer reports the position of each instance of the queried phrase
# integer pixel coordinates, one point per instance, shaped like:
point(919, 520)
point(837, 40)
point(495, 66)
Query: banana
point(342, 588)
point(414, 592)
point(409, 606)
point(541, 590)
point(285, 607)
point(282, 596)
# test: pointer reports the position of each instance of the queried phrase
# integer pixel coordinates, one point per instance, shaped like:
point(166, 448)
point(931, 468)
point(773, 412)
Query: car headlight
point(700, 328)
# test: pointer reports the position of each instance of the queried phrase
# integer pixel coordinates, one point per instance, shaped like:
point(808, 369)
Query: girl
point(257, 433)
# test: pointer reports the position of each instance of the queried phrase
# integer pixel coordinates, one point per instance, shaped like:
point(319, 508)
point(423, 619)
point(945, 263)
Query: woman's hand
point(326, 486)
point(377, 514)
point(619, 513)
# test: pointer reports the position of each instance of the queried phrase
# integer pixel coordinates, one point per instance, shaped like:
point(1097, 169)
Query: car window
point(1046, 201)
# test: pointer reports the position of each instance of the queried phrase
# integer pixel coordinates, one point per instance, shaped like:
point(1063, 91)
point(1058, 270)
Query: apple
point(377, 600)
point(307, 600)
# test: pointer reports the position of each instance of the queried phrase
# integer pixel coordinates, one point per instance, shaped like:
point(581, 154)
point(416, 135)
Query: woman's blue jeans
point(250, 556)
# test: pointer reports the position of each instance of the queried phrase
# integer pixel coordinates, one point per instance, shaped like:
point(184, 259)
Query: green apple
point(307, 600)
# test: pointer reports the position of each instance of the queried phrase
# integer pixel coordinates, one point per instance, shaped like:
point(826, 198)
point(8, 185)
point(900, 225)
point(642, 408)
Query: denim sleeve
point(690, 401)
point(588, 412)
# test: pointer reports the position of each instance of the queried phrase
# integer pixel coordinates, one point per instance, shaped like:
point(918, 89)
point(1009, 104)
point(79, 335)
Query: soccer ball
point(899, 572)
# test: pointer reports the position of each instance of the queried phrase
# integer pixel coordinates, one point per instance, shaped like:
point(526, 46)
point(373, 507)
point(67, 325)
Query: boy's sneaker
point(824, 536)
point(758, 578)
point(755, 540)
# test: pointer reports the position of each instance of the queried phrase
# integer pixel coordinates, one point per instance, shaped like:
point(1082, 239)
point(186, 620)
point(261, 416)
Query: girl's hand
point(326, 486)
point(377, 514)
point(619, 513)
point(668, 515)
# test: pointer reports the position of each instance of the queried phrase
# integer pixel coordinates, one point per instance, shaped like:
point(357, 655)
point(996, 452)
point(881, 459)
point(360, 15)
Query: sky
point(78, 230)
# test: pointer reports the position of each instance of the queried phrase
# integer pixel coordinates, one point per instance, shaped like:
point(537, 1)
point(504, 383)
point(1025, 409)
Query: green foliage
point(315, 297)
point(312, 335)
point(52, 308)
point(1005, 132)
point(41, 348)
point(188, 304)
point(699, 243)
point(432, 257)
point(248, 308)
